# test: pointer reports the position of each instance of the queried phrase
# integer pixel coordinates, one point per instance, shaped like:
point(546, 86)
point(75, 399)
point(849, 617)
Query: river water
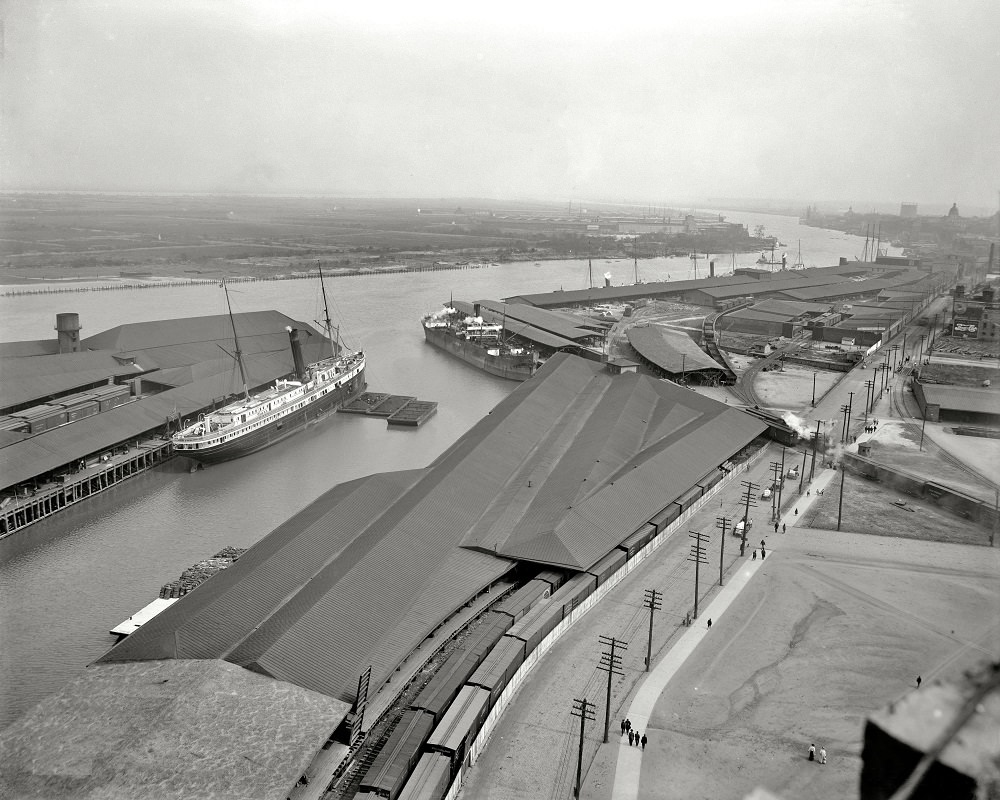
point(66, 581)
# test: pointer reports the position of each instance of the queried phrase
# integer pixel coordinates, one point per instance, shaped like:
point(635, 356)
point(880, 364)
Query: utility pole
point(611, 663)
point(840, 505)
point(802, 472)
point(775, 478)
point(814, 389)
point(653, 603)
point(869, 387)
point(781, 482)
point(843, 430)
point(923, 338)
point(584, 710)
point(723, 524)
point(850, 413)
point(812, 467)
point(922, 426)
point(751, 489)
point(697, 555)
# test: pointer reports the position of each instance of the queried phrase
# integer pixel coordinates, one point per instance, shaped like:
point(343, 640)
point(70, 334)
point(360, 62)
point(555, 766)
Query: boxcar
point(459, 726)
point(554, 578)
point(499, 667)
point(608, 565)
point(577, 589)
point(485, 636)
point(430, 778)
point(686, 500)
point(396, 759)
point(536, 624)
point(634, 543)
point(665, 517)
point(520, 602)
point(437, 695)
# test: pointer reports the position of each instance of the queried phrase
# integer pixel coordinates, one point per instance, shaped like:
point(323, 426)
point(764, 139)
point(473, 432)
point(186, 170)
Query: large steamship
point(479, 343)
point(256, 421)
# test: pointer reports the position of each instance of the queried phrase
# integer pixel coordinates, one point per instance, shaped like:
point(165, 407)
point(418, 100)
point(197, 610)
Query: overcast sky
point(650, 101)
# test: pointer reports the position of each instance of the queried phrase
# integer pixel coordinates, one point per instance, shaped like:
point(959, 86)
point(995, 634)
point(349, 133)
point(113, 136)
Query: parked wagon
point(437, 695)
point(521, 601)
point(537, 623)
point(395, 761)
point(499, 667)
point(608, 565)
point(430, 779)
point(634, 543)
point(666, 517)
point(575, 591)
point(454, 734)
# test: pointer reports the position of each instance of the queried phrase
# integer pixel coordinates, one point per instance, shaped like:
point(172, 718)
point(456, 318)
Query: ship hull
point(281, 428)
point(514, 368)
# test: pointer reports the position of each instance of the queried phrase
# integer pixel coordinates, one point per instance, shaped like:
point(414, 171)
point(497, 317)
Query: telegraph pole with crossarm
point(611, 662)
point(584, 710)
point(697, 555)
point(653, 602)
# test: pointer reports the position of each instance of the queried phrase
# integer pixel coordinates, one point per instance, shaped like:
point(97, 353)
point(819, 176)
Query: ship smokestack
point(68, 332)
point(294, 337)
point(475, 309)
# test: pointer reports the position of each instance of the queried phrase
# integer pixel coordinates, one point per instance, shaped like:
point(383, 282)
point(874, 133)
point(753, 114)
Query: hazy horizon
point(823, 101)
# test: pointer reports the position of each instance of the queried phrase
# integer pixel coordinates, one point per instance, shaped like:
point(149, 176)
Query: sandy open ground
point(832, 627)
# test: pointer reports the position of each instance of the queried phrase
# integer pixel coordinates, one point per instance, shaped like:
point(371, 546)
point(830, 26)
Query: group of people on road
point(821, 758)
point(872, 427)
point(634, 738)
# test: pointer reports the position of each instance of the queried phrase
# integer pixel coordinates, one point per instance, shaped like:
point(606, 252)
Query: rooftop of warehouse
point(559, 473)
point(159, 344)
point(173, 729)
point(669, 349)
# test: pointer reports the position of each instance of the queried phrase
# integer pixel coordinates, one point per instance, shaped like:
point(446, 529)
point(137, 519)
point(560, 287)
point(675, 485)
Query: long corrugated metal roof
point(68, 444)
point(361, 576)
point(665, 348)
point(963, 398)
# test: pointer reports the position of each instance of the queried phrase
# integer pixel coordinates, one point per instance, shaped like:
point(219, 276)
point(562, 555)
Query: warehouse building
point(558, 475)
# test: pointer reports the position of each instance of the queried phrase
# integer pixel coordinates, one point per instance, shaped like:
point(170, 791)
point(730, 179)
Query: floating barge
point(396, 409)
point(171, 592)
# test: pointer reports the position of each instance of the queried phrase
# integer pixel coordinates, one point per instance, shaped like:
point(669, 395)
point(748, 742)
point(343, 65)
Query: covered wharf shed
point(561, 472)
point(558, 474)
point(673, 354)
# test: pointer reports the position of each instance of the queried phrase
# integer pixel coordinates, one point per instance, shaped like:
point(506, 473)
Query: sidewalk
point(630, 758)
point(629, 764)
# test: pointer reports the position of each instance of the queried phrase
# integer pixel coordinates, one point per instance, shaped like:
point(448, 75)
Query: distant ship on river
point(256, 421)
point(479, 343)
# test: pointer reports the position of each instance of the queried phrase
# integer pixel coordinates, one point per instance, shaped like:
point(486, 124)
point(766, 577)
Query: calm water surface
point(66, 581)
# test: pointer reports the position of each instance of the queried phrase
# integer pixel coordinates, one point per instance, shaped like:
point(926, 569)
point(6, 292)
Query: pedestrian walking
point(755, 555)
point(623, 727)
point(644, 740)
point(918, 681)
point(628, 724)
point(763, 554)
point(812, 752)
point(630, 738)
point(709, 622)
point(761, 544)
point(784, 527)
point(822, 755)
point(796, 512)
point(775, 527)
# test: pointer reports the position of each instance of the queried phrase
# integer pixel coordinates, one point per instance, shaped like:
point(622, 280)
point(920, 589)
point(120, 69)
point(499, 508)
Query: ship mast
point(334, 342)
point(236, 340)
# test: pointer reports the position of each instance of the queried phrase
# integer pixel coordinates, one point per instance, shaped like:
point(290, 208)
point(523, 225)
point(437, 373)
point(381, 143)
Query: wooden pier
point(110, 470)
point(396, 409)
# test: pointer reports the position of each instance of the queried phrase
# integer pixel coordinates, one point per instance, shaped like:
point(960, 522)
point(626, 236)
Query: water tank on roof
point(68, 330)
